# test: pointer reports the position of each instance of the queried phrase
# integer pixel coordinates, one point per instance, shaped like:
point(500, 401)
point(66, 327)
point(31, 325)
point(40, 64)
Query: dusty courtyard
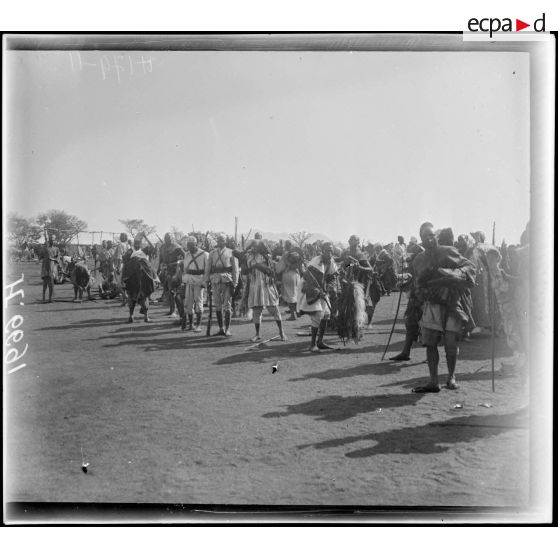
point(167, 416)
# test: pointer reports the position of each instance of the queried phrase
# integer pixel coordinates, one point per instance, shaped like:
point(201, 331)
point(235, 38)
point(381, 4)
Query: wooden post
point(492, 306)
point(492, 334)
point(235, 230)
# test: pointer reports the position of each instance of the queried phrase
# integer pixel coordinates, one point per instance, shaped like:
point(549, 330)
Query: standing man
point(49, 269)
point(353, 255)
point(313, 296)
point(103, 259)
point(262, 289)
point(221, 271)
point(241, 291)
point(399, 255)
point(171, 254)
point(480, 293)
point(120, 249)
point(289, 268)
point(413, 313)
point(443, 275)
point(191, 272)
point(356, 267)
point(139, 279)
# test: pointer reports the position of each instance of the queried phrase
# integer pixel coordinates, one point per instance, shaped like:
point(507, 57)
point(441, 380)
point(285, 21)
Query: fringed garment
point(352, 304)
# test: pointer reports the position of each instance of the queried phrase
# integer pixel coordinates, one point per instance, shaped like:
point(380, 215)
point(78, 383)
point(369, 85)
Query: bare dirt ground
point(167, 416)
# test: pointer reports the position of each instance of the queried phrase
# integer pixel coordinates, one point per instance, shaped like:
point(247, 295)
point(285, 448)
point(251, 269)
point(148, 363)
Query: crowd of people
point(453, 288)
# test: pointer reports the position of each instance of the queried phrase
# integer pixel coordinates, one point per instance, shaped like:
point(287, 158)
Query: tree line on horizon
point(64, 229)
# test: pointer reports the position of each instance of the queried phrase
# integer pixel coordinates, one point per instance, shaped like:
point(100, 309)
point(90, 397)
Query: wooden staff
point(210, 300)
point(398, 305)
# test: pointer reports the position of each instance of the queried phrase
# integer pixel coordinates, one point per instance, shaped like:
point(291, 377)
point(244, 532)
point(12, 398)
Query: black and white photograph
point(277, 272)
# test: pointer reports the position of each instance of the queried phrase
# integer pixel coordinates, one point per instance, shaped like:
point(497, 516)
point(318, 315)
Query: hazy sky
point(336, 143)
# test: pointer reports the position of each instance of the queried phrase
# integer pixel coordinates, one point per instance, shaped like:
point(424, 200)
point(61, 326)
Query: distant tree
point(300, 238)
point(22, 231)
point(61, 226)
point(135, 226)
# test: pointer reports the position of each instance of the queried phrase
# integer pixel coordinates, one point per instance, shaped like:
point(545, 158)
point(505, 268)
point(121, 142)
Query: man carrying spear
point(313, 298)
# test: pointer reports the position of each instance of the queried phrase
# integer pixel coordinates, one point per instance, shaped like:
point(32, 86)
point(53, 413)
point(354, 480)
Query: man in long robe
point(384, 268)
point(443, 275)
point(139, 280)
point(289, 268)
point(399, 255)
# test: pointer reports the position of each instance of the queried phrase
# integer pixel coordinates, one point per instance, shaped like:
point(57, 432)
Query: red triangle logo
point(519, 25)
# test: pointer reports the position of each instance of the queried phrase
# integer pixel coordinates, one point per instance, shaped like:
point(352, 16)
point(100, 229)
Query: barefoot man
point(262, 290)
point(443, 277)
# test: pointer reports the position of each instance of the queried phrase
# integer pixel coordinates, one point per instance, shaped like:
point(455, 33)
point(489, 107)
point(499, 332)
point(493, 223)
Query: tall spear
point(492, 312)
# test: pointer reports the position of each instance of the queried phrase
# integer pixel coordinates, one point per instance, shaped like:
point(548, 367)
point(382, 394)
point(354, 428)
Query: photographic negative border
point(542, 80)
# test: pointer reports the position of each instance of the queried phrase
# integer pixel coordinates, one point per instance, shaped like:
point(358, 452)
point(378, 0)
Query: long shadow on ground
point(178, 341)
point(478, 375)
point(99, 322)
point(374, 369)
point(337, 408)
point(435, 437)
point(297, 350)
